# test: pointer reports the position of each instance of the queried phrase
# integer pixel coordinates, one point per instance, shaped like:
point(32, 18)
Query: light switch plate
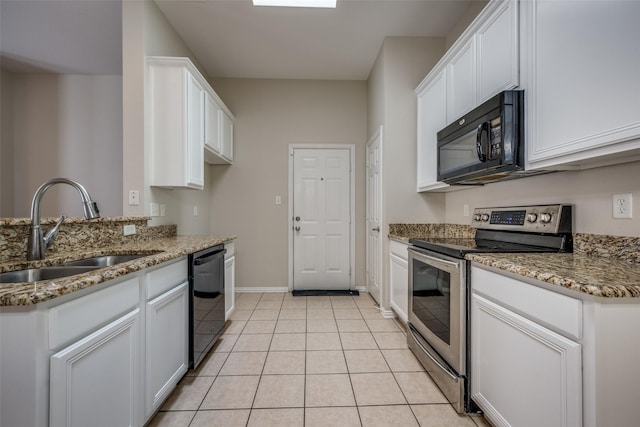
point(154, 209)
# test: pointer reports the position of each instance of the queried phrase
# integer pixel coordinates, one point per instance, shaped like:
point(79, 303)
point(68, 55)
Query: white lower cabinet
point(229, 280)
point(546, 358)
point(95, 381)
point(399, 278)
point(523, 374)
point(167, 343)
point(107, 356)
point(526, 361)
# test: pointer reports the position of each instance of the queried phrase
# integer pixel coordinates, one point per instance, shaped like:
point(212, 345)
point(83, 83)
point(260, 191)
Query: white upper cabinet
point(461, 81)
point(482, 62)
point(176, 105)
point(188, 122)
point(581, 63)
point(218, 132)
point(498, 62)
point(432, 107)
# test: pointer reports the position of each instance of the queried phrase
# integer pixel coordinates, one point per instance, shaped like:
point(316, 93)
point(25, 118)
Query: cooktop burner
point(517, 229)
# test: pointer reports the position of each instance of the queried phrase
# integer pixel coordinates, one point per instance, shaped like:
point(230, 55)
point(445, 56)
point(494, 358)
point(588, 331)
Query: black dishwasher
point(206, 308)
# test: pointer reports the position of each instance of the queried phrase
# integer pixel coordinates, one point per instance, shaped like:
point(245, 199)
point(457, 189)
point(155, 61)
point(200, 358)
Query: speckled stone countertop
point(596, 276)
point(403, 232)
point(601, 266)
point(160, 250)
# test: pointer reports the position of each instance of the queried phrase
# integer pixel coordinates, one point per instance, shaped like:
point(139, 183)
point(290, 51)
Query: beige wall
point(146, 32)
point(271, 114)
point(6, 144)
point(61, 126)
point(472, 11)
point(400, 66)
point(407, 60)
point(590, 191)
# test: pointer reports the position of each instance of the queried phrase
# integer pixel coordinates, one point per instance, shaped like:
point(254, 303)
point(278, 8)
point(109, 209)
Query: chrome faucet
point(37, 242)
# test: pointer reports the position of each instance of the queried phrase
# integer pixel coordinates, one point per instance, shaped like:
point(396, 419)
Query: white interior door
point(321, 218)
point(374, 214)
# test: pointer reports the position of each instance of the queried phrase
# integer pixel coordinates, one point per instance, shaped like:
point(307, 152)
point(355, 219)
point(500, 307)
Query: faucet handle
point(51, 234)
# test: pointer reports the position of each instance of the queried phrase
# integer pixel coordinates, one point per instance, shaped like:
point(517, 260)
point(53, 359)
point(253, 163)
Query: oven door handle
point(437, 260)
point(435, 360)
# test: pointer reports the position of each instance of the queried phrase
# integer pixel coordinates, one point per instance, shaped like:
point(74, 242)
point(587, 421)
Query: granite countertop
point(601, 266)
point(159, 250)
point(599, 277)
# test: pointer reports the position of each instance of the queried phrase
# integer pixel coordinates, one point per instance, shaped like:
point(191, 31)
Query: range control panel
point(534, 219)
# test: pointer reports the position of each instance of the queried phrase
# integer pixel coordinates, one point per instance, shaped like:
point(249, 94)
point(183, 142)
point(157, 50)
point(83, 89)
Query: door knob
point(297, 218)
point(297, 228)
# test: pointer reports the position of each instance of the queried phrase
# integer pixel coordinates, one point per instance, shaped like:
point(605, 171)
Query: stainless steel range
point(439, 286)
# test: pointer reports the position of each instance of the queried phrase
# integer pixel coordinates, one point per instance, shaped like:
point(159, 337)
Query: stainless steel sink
point(43, 273)
point(105, 260)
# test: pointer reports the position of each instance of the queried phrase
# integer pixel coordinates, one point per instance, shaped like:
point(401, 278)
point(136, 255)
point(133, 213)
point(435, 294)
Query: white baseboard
point(261, 289)
point(388, 314)
point(361, 289)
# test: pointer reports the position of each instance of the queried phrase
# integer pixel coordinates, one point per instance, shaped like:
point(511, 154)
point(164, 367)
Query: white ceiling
point(230, 38)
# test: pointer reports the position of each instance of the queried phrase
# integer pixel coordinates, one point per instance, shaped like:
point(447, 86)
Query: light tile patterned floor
point(309, 361)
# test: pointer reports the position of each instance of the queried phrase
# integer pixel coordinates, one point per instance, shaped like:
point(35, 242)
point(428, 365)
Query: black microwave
point(486, 144)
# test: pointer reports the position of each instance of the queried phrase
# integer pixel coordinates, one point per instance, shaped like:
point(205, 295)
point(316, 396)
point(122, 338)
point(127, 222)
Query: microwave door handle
point(482, 128)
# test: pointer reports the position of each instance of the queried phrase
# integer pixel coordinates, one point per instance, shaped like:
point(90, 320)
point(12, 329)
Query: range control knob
point(532, 217)
point(485, 217)
point(545, 218)
point(477, 217)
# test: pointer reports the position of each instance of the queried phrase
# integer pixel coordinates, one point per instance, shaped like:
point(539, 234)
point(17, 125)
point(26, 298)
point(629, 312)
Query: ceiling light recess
point(296, 3)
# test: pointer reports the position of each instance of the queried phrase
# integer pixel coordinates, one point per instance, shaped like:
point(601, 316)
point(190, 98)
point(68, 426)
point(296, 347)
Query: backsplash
point(432, 230)
point(623, 248)
point(77, 233)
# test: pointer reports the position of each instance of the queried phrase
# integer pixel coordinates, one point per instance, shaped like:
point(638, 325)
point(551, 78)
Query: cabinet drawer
point(558, 312)
point(75, 319)
point(165, 278)
point(399, 249)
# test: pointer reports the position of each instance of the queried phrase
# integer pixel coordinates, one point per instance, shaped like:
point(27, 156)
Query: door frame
point(378, 134)
point(352, 205)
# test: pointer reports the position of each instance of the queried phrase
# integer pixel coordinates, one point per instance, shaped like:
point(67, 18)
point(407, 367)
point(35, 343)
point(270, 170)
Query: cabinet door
point(583, 90)
point(167, 342)
point(211, 130)
point(497, 44)
point(194, 168)
point(461, 81)
point(432, 106)
point(523, 374)
point(229, 286)
point(95, 381)
point(399, 277)
point(226, 136)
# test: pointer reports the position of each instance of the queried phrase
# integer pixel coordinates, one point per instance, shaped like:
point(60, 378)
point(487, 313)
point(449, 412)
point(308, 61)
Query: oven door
point(437, 304)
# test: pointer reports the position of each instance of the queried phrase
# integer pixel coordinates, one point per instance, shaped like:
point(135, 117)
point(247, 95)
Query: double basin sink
point(67, 269)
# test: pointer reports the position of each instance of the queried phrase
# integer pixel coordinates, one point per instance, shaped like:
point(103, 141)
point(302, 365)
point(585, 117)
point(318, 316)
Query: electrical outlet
point(134, 197)
point(465, 209)
point(278, 200)
point(163, 209)
point(622, 205)
point(195, 210)
point(129, 229)
point(154, 209)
